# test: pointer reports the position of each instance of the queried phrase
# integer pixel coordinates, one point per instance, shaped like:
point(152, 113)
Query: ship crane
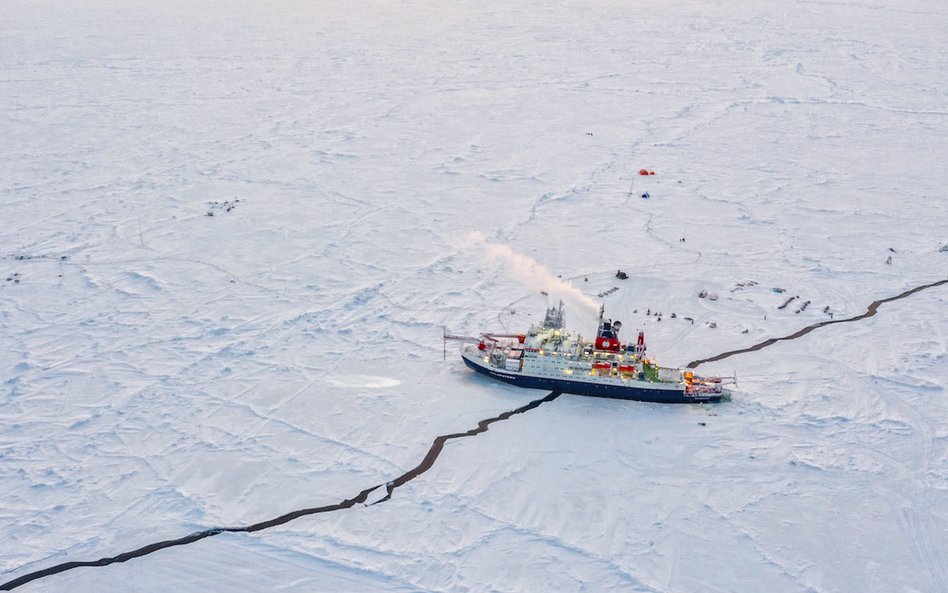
point(479, 340)
point(549, 357)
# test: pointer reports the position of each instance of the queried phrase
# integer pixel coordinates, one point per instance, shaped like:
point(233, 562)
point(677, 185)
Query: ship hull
point(628, 392)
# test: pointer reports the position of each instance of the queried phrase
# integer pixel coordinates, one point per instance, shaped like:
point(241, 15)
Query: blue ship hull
point(660, 396)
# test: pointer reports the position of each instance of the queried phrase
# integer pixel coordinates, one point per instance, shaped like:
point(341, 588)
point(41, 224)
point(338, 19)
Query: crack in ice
point(870, 312)
point(433, 452)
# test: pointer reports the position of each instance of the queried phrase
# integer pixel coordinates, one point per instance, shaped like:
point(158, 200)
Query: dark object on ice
point(892, 250)
point(691, 320)
point(702, 424)
point(703, 294)
point(645, 195)
point(712, 325)
point(209, 213)
point(589, 133)
point(803, 306)
point(787, 302)
point(888, 260)
point(742, 285)
point(779, 290)
point(746, 331)
point(621, 275)
point(585, 279)
point(674, 316)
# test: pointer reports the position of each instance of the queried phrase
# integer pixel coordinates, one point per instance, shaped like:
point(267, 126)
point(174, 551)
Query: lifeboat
point(601, 368)
point(549, 357)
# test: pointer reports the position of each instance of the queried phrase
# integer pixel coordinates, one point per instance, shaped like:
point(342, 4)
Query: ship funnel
point(616, 326)
point(606, 337)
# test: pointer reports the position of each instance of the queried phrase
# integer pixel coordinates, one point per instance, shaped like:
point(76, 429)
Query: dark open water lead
point(433, 452)
point(870, 312)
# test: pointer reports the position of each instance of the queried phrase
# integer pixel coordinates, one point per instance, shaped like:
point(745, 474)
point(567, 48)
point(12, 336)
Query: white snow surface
point(165, 371)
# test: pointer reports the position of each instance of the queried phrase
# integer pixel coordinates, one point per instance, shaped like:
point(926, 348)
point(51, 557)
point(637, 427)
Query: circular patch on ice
point(370, 381)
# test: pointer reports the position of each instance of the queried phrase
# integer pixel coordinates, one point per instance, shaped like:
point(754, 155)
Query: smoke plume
point(532, 273)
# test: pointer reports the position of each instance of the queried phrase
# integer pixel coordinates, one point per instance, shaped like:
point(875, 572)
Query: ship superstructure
point(548, 357)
